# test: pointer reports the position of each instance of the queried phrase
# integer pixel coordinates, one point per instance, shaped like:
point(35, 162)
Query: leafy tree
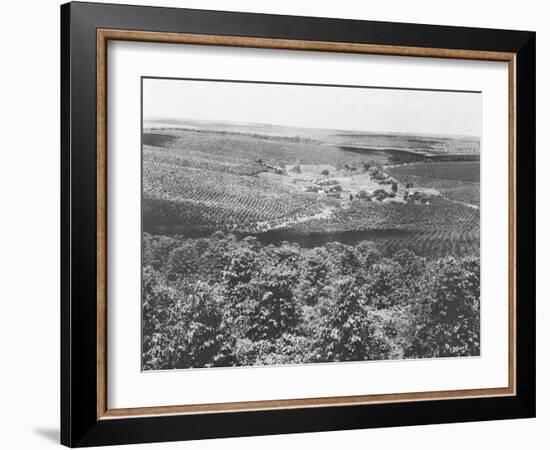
point(157, 303)
point(383, 284)
point(368, 253)
point(181, 329)
point(348, 329)
point(342, 259)
point(447, 322)
point(275, 310)
point(156, 250)
point(287, 349)
point(412, 265)
point(261, 294)
point(313, 275)
point(183, 259)
point(241, 264)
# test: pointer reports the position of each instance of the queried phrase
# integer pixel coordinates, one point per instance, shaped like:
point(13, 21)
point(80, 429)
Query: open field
point(242, 148)
point(461, 171)
point(458, 181)
point(280, 184)
point(426, 144)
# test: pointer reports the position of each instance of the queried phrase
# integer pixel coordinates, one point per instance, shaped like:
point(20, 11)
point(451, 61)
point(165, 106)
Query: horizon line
point(434, 134)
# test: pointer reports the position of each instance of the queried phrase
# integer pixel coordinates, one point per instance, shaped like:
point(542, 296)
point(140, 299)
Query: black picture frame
point(80, 425)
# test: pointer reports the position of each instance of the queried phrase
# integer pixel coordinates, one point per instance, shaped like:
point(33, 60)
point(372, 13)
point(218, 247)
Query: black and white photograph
point(296, 224)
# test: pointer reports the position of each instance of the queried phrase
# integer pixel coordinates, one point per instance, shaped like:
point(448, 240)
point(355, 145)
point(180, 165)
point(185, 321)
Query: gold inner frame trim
point(103, 36)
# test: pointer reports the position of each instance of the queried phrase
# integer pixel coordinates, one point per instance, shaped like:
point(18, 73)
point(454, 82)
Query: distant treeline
point(220, 301)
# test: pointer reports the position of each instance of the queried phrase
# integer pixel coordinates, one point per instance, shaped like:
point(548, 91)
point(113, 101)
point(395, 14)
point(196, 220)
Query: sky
point(343, 108)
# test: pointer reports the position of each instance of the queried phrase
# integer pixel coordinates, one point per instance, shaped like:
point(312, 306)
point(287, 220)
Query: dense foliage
point(221, 301)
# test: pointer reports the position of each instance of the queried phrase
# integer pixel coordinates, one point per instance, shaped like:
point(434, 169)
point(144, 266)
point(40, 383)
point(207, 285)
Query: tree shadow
point(50, 434)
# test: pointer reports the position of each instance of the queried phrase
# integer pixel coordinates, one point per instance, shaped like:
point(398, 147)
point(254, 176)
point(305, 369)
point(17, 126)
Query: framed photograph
point(276, 224)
